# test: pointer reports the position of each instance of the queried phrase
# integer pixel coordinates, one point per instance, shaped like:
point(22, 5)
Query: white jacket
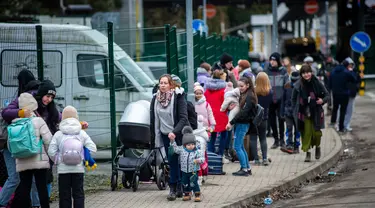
point(39, 161)
point(70, 126)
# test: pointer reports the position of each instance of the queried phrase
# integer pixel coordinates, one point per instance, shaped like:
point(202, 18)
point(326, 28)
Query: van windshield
point(137, 73)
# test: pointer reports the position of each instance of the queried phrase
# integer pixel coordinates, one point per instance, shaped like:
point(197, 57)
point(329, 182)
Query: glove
point(89, 162)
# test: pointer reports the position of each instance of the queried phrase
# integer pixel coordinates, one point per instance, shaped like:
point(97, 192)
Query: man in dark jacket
point(339, 82)
point(226, 63)
point(278, 78)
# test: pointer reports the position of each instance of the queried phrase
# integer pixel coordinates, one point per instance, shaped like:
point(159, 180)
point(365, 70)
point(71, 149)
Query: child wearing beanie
point(67, 148)
point(287, 112)
point(203, 108)
point(190, 158)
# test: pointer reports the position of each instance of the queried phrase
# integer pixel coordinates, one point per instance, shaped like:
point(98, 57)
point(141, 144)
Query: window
point(92, 71)
point(14, 61)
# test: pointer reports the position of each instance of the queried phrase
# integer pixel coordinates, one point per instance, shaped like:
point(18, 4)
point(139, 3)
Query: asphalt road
point(354, 184)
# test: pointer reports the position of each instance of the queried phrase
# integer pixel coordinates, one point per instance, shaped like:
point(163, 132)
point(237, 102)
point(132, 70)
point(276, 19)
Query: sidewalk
point(228, 190)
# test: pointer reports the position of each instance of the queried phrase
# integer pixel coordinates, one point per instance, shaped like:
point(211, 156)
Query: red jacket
point(215, 97)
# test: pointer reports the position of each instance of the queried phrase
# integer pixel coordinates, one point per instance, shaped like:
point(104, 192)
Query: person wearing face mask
point(339, 82)
point(308, 97)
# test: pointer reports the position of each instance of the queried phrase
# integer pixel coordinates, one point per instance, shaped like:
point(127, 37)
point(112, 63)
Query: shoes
point(349, 129)
point(186, 197)
point(172, 192)
point(225, 160)
point(286, 150)
point(265, 162)
point(197, 197)
point(257, 162)
point(200, 180)
point(308, 157)
point(179, 192)
point(241, 173)
point(204, 179)
point(317, 153)
point(275, 145)
point(296, 150)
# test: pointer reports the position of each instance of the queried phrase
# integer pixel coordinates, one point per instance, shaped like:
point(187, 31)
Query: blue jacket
point(286, 109)
point(278, 78)
point(340, 80)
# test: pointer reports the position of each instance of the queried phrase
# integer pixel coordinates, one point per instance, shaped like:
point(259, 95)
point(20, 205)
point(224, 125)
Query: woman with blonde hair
point(263, 90)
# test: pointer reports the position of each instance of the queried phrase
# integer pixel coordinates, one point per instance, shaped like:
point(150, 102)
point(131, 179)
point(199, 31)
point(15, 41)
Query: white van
point(76, 61)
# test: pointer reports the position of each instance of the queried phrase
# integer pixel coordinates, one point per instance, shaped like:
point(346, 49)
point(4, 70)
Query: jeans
point(223, 142)
point(274, 115)
point(262, 134)
point(186, 182)
point(25, 188)
point(229, 140)
point(174, 166)
point(349, 113)
point(34, 194)
point(290, 124)
point(13, 180)
point(71, 185)
point(342, 102)
point(239, 136)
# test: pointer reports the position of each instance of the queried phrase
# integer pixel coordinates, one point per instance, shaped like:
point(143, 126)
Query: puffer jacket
point(278, 78)
point(202, 75)
point(39, 161)
point(70, 126)
point(187, 158)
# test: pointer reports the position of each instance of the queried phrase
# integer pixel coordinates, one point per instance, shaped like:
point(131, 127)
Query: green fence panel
point(196, 52)
point(210, 49)
point(218, 47)
point(173, 51)
point(202, 49)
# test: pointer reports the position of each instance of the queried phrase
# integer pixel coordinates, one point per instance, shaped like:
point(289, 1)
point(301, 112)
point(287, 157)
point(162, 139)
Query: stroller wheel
point(113, 181)
point(125, 181)
point(135, 183)
point(160, 179)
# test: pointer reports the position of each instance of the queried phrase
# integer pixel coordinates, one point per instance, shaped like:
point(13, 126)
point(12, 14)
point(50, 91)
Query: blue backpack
point(22, 139)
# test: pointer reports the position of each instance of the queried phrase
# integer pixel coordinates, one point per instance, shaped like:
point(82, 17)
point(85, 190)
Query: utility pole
point(189, 43)
point(327, 27)
point(205, 12)
point(275, 35)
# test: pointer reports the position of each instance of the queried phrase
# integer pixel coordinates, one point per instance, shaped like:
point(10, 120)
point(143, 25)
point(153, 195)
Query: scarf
point(307, 107)
point(164, 98)
point(200, 101)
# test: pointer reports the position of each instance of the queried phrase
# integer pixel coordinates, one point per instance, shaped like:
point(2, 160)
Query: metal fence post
point(167, 29)
point(112, 96)
point(39, 52)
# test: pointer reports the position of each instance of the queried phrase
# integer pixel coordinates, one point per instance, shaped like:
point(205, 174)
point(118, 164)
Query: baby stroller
point(134, 134)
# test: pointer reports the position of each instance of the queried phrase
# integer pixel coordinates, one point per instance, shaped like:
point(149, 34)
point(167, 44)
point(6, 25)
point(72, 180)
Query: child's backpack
point(71, 150)
point(3, 132)
point(22, 139)
point(258, 115)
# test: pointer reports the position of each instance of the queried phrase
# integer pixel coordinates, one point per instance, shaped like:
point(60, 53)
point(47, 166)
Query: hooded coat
point(70, 126)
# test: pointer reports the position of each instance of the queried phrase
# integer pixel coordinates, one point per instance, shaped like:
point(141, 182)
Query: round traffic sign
point(210, 11)
point(311, 7)
point(360, 42)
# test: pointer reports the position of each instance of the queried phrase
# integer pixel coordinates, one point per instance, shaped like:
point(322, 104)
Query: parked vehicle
point(76, 60)
point(154, 69)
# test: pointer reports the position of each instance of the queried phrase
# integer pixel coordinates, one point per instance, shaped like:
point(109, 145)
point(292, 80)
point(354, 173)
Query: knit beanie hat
point(27, 101)
point(46, 87)
point(276, 56)
point(308, 59)
point(176, 80)
point(225, 58)
point(294, 76)
point(188, 136)
point(197, 87)
point(25, 76)
point(69, 112)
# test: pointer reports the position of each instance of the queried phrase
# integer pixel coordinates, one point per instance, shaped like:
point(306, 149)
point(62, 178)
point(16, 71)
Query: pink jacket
point(203, 108)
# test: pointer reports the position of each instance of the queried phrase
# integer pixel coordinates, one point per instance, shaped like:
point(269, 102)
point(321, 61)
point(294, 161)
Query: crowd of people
point(227, 101)
point(38, 137)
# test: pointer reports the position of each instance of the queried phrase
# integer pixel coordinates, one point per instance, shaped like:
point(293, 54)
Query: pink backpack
point(71, 150)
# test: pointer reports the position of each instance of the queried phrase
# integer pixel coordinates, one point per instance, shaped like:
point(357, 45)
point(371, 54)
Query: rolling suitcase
point(215, 164)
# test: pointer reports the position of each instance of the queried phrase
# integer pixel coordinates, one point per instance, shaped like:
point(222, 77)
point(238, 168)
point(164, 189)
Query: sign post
point(198, 25)
point(360, 42)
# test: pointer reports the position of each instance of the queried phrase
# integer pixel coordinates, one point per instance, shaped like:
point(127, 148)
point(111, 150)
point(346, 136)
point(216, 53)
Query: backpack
point(71, 150)
point(22, 139)
point(258, 115)
point(3, 132)
point(192, 115)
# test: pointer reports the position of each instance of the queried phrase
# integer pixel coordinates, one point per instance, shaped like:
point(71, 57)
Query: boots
point(227, 154)
point(186, 197)
point(172, 192)
point(317, 153)
point(179, 192)
point(308, 157)
point(197, 197)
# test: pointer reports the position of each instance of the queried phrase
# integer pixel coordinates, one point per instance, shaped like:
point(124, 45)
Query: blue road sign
point(360, 42)
point(198, 25)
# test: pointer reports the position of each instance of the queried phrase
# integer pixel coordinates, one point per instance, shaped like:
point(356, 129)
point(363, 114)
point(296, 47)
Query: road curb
point(291, 181)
